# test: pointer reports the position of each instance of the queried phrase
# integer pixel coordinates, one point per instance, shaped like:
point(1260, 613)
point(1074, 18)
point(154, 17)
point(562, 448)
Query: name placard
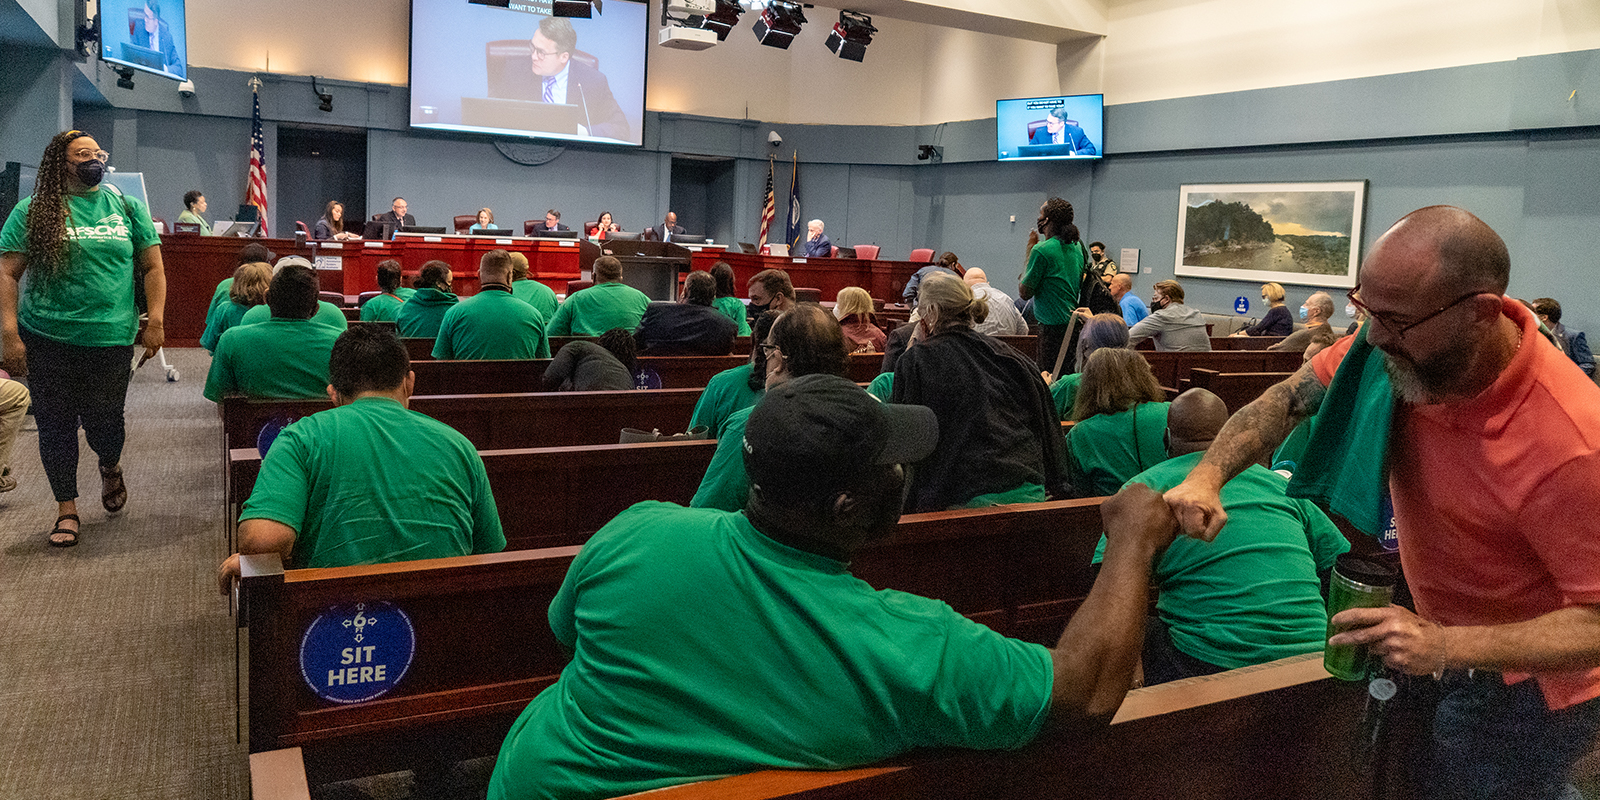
point(568, 244)
point(332, 245)
point(502, 241)
point(373, 244)
point(357, 652)
point(433, 238)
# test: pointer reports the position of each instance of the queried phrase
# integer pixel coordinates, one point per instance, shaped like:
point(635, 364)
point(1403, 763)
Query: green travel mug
point(1356, 583)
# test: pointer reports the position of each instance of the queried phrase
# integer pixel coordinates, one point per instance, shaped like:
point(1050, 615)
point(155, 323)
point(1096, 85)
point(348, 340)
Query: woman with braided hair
point(999, 438)
point(68, 316)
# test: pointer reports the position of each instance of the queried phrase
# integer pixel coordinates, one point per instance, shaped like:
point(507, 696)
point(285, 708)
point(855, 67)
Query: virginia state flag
point(797, 229)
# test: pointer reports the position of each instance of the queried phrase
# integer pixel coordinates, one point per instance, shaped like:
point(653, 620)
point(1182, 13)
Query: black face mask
point(756, 311)
point(91, 172)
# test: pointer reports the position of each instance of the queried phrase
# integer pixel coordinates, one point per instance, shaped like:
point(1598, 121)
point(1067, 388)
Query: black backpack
point(1092, 292)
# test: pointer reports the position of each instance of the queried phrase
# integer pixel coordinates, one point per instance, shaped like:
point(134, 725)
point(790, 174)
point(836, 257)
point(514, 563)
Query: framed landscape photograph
point(1300, 233)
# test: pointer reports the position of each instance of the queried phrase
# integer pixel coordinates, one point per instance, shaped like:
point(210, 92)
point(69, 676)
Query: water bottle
point(1356, 583)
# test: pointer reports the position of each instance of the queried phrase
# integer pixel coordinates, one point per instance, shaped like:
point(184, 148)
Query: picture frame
point(1306, 234)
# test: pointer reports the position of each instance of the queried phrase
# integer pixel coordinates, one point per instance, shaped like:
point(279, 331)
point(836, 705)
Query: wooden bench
point(554, 496)
point(501, 421)
point(1244, 342)
point(1237, 389)
point(422, 349)
point(1171, 366)
point(484, 646)
point(497, 377)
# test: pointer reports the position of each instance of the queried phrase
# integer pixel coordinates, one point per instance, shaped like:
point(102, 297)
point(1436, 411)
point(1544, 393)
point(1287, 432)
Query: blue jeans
point(1491, 740)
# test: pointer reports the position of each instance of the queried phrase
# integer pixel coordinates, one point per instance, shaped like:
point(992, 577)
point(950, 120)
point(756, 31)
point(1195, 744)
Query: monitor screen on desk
point(688, 238)
point(619, 236)
point(546, 233)
point(516, 71)
point(377, 230)
point(1033, 128)
point(421, 229)
point(492, 232)
point(146, 36)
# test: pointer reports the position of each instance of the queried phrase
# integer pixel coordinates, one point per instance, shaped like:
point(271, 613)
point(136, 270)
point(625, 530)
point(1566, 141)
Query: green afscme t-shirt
point(598, 309)
point(538, 295)
point(1053, 273)
point(372, 482)
point(88, 300)
point(736, 311)
point(383, 308)
point(491, 324)
point(327, 314)
point(789, 662)
point(279, 358)
point(1105, 450)
point(727, 391)
point(726, 485)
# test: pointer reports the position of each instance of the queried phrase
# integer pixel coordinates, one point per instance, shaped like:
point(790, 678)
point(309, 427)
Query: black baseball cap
point(814, 434)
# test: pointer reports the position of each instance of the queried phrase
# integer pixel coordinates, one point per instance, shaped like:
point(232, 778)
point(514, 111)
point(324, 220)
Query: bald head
point(975, 276)
point(1120, 285)
point(1193, 420)
point(1443, 246)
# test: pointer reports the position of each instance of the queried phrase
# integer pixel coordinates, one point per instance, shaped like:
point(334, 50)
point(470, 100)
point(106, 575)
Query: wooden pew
point(498, 377)
point(1170, 367)
point(554, 496)
point(1237, 389)
point(484, 646)
point(422, 349)
point(501, 421)
point(1244, 342)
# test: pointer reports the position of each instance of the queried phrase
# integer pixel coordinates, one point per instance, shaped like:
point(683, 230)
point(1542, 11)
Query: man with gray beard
point(1487, 440)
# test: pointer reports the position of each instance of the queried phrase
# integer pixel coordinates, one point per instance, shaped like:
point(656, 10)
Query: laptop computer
point(520, 115)
point(778, 249)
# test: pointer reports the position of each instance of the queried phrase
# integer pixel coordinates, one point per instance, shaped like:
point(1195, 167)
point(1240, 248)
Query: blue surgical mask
point(1350, 309)
point(1302, 312)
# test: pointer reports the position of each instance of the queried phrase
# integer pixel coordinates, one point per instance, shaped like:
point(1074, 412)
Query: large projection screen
point(147, 35)
point(516, 71)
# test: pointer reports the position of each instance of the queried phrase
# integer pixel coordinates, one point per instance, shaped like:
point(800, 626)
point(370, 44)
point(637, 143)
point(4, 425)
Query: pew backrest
point(1172, 366)
point(1237, 389)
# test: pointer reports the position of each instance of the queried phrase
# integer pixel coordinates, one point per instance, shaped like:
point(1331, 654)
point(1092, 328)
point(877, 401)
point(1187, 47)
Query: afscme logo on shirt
point(112, 227)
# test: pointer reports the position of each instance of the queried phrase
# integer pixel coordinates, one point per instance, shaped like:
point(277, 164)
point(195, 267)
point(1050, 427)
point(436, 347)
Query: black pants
point(72, 386)
point(1164, 662)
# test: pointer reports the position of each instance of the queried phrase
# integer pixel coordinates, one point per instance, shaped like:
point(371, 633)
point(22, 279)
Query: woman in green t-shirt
point(74, 247)
point(1121, 422)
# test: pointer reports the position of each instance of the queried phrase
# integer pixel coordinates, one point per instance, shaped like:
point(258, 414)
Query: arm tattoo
point(1255, 430)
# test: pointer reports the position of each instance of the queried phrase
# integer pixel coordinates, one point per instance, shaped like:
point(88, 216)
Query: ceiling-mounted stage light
point(682, 24)
point(780, 22)
point(574, 8)
point(723, 18)
point(326, 99)
point(851, 35)
point(124, 77)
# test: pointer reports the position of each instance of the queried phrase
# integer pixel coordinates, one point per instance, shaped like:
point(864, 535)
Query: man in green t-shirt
point(368, 481)
point(1051, 276)
point(530, 291)
point(284, 357)
point(608, 304)
point(1254, 593)
point(492, 324)
point(788, 660)
point(424, 310)
point(326, 313)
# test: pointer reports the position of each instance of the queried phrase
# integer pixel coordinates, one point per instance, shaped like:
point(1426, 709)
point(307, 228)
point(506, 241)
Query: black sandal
point(113, 492)
point(54, 542)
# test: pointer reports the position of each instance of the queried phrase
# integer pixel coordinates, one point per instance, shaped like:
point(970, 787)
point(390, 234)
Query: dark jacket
point(685, 329)
point(997, 423)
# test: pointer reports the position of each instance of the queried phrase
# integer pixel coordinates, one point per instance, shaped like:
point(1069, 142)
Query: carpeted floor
point(117, 656)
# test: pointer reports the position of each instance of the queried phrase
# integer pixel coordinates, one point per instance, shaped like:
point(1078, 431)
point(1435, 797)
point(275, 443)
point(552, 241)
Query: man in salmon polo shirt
point(1490, 441)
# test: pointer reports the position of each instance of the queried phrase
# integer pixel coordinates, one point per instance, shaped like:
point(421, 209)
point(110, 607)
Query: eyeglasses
point(537, 53)
point(769, 349)
point(86, 153)
point(1397, 329)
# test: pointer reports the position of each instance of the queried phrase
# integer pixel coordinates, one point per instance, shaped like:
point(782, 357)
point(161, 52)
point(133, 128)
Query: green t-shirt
point(1052, 275)
point(491, 324)
point(383, 308)
point(327, 314)
point(405, 292)
point(788, 662)
point(219, 297)
point(1026, 493)
point(1105, 450)
point(88, 301)
point(228, 315)
point(537, 295)
point(423, 312)
point(279, 358)
point(727, 391)
point(598, 309)
point(726, 485)
point(736, 311)
point(882, 386)
point(371, 483)
point(1065, 392)
point(1253, 594)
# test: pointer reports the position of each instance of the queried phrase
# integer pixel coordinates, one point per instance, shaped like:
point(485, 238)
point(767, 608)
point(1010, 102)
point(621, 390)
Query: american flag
point(256, 193)
point(797, 229)
point(768, 209)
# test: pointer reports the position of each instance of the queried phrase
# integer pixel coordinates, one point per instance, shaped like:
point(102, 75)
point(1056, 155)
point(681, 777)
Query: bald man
point(1255, 593)
point(1133, 309)
point(1488, 436)
point(1004, 319)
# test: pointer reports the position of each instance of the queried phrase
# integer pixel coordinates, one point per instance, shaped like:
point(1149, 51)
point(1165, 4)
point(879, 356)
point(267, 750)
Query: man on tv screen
point(557, 76)
point(1060, 130)
point(150, 31)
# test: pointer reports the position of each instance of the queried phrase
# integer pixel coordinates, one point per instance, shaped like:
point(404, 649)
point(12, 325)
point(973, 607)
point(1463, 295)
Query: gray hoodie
point(1176, 327)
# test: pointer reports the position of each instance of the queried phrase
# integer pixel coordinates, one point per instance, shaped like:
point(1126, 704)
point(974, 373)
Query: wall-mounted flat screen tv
point(515, 70)
point(1030, 128)
point(146, 35)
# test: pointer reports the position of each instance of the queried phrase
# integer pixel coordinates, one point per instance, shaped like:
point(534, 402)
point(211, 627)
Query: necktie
point(549, 90)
